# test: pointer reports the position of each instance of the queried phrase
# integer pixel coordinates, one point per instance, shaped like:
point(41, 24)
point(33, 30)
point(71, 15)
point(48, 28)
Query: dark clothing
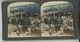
point(57, 28)
point(24, 21)
point(46, 20)
point(13, 21)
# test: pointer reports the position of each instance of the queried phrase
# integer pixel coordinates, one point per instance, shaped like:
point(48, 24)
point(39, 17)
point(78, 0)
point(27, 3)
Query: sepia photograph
point(24, 20)
point(57, 19)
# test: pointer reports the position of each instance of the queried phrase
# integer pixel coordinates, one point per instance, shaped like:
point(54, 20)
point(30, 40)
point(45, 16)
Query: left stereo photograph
point(40, 20)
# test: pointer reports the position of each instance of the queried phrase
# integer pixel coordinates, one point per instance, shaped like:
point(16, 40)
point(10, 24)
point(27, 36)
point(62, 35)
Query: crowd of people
point(54, 25)
point(35, 25)
point(26, 24)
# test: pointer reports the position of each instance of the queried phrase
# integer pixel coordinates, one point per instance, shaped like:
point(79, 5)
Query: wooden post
point(54, 14)
point(21, 14)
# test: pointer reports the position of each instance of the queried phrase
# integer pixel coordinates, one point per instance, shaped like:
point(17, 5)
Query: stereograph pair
point(40, 19)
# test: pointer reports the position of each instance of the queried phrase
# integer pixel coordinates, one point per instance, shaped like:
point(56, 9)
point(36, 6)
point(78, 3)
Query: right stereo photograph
point(57, 19)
